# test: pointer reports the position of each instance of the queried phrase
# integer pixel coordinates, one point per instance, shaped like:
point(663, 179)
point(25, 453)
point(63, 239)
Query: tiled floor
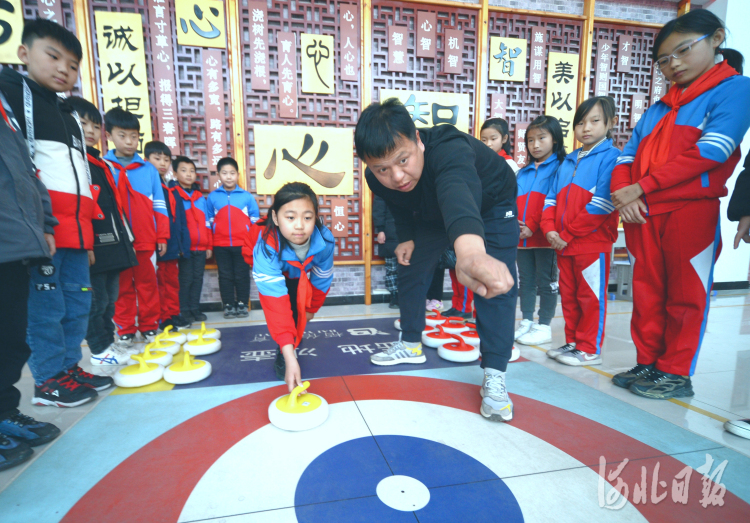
point(418, 423)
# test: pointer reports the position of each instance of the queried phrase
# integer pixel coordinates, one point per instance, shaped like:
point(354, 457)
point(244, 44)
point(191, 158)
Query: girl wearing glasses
point(667, 185)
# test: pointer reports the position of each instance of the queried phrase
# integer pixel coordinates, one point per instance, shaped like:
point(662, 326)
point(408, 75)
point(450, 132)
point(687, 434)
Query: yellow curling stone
point(187, 370)
point(140, 374)
point(295, 414)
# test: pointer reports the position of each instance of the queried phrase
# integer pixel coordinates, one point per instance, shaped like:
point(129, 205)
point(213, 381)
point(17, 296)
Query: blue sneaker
point(13, 452)
point(28, 430)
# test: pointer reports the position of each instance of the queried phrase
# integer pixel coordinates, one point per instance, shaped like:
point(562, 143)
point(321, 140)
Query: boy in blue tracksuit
point(231, 211)
point(178, 246)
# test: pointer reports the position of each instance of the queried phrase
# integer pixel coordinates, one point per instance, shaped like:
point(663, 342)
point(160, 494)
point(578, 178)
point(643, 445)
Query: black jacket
point(25, 208)
point(113, 244)
point(739, 205)
point(178, 244)
point(383, 221)
point(461, 180)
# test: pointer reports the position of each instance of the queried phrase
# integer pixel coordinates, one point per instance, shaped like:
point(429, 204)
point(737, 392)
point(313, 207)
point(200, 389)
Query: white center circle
point(403, 493)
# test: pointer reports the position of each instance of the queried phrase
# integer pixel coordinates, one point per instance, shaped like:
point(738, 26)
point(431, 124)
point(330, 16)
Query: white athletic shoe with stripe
point(114, 355)
point(399, 353)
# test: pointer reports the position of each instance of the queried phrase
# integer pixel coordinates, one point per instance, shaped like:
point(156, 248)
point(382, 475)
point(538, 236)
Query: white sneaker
point(576, 358)
point(554, 353)
point(523, 328)
point(537, 335)
point(496, 404)
point(114, 355)
point(399, 353)
point(515, 354)
point(433, 305)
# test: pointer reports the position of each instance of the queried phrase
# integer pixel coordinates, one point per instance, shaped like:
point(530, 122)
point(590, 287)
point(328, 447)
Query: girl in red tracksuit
point(291, 252)
point(536, 259)
point(667, 185)
point(580, 222)
point(201, 238)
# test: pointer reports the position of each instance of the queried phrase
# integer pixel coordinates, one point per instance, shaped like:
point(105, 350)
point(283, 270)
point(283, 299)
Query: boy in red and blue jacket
point(580, 222)
point(231, 211)
point(178, 246)
point(201, 237)
point(140, 191)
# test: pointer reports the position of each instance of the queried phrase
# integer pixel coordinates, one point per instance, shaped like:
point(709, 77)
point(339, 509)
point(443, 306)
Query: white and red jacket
point(231, 214)
point(272, 267)
point(579, 206)
point(142, 197)
point(59, 157)
point(533, 185)
point(196, 212)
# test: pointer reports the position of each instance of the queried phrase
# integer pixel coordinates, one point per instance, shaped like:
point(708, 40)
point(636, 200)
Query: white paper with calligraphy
point(216, 118)
point(508, 59)
point(162, 52)
point(201, 23)
point(537, 58)
point(11, 27)
point(287, 45)
point(258, 12)
point(562, 84)
point(453, 43)
point(317, 63)
point(428, 108)
point(349, 43)
point(122, 66)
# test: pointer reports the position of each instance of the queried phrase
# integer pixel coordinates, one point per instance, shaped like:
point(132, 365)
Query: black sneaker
point(166, 323)
point(627, 378)
point(457, 313)
point(241, 310)
point(62, 391)
point(13, 452)
point(90, 380)
point(229, 311)
point(149, 336)
point(660, 385)
point(27, 429)
point(199, 316)
point(181, 322)
point(394, 301)
point(280, 366)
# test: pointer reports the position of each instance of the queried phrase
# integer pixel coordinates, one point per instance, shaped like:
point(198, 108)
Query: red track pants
point(673, 257)
point(463, 298)
point(138, 281)
point(168, 276)
point(583, 294)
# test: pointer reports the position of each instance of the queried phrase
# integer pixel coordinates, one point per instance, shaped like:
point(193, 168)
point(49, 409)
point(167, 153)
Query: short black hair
point(85, 109)
point(118, 117)
point(227, 160)
point(181, 159)
point(609, 110)
point(380, 126)
point(41, 28)
point(156, 147)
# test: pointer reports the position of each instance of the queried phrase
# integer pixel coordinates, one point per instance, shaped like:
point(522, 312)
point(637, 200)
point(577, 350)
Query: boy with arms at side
point(59, 290)
point(140, 190)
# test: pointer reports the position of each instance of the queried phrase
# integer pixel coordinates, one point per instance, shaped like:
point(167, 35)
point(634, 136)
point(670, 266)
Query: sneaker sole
point(21, 458)
point(99, 389)
point(42, 440)
point(577, 363)
point(534, 342)
point(494, 415)
point(41, 402)
point(421, 359)
point(554, 355)
point(669, 395)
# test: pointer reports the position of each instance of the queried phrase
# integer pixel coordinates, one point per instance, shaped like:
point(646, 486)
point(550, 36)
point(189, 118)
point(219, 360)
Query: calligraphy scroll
point(160, 24)
point(201, 23)
point(562, 84)
point(287, 74)
point(349, 42)
point(453, 62)
point(259, 50)
point(317, 63)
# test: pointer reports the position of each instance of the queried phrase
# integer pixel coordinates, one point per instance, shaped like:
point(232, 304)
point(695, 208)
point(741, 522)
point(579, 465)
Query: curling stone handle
point(167, 329)
point(292, 401)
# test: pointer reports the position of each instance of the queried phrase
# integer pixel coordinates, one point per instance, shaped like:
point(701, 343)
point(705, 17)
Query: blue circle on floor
point(340, 484)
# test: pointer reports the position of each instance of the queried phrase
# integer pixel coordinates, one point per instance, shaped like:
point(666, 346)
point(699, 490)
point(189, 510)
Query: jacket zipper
point(565, 209)
point(229, 219)
point(528, 195)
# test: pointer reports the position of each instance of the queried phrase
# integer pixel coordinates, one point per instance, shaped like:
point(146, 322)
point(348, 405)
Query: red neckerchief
point(172, 203)
point(655, 152)
point(108, 175)
point(191, 198)
point(505, 155)
point(304, 296)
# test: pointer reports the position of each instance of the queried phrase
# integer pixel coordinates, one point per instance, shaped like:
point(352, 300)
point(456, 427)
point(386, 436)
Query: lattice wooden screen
point(524, 103)
point(338, 110)
point(622, 86)
point(30, 12)
point(424, 74)
point(189, 82)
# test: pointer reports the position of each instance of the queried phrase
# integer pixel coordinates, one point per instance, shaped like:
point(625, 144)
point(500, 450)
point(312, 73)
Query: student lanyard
point(28, 109)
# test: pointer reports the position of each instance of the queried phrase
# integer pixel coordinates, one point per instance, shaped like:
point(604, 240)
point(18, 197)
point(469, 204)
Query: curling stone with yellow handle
point(187, 370)
point(160, 357)
point(161, 343)
point(175, 336)
point(140, 374)
point(207, 333)
point(296, 413)
point(202, 346)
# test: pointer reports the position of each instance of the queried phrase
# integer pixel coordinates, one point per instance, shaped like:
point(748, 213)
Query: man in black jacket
point(113, 244)
point(446, 188)
point(27, 239)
